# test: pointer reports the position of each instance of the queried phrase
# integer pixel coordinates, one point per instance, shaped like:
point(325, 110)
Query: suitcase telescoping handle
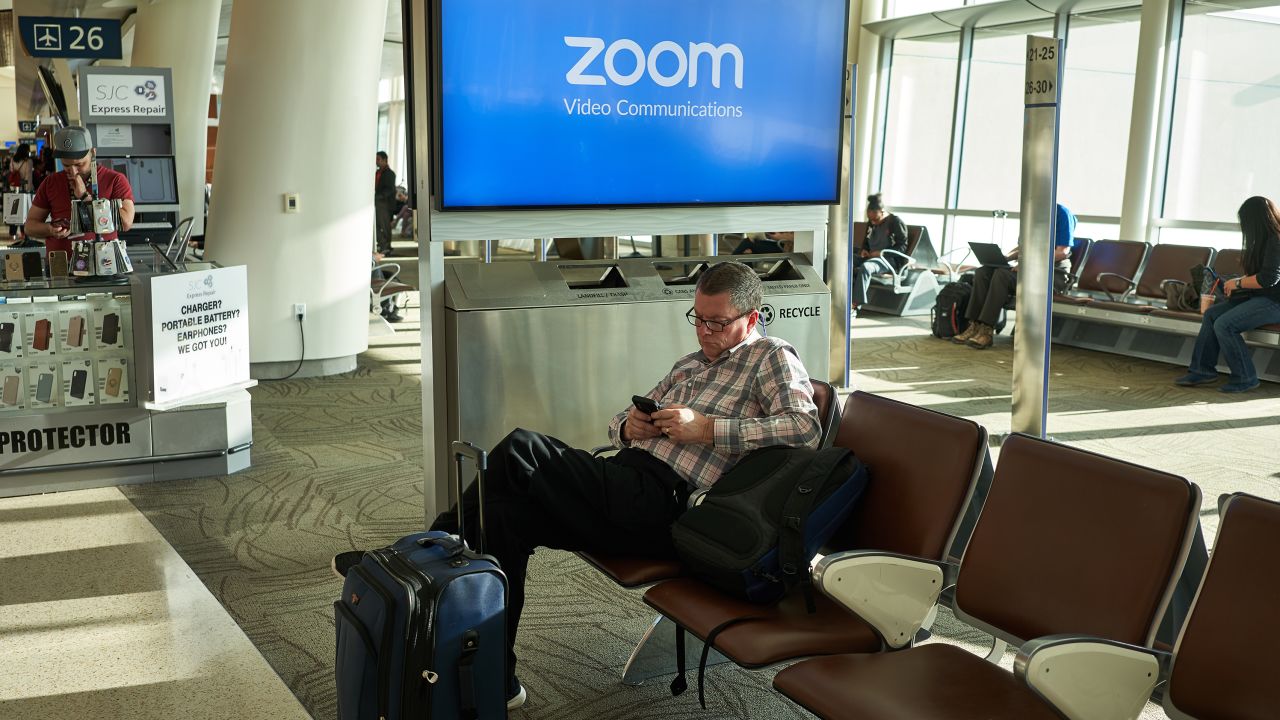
point(463, 449)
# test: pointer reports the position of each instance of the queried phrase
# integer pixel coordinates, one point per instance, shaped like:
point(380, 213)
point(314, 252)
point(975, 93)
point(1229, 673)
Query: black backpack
point(947, 317)
point(761, 524)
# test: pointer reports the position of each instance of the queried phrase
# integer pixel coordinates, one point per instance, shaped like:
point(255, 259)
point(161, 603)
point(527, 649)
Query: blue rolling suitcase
point(421, 628)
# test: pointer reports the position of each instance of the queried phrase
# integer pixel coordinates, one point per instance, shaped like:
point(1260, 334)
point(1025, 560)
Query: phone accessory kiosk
point(108, 384)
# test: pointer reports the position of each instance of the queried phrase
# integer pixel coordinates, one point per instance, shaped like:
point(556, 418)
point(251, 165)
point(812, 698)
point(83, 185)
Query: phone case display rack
point(74, 373)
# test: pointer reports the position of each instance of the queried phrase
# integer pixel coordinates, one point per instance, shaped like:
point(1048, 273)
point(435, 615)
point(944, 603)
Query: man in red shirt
point(50, 215)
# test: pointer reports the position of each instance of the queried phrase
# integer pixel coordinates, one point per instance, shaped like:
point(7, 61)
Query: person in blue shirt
point(993, 287)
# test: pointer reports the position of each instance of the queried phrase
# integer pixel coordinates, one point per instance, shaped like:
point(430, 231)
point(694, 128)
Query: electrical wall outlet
point(292, 203)
point(300, 310)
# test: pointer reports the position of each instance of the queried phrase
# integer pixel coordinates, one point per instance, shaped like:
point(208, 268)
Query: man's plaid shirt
point(758, 394)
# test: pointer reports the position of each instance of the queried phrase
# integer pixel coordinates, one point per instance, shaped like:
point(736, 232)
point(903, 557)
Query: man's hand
point(684, 425)
point(639, 426)
point(77, 186)
point(864, 253)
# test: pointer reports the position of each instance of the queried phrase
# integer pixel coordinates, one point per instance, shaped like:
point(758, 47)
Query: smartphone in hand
point(645, 405)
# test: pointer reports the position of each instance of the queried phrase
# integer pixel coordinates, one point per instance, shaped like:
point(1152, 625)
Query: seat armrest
point(892, 593)
point(599, 450)
point(1085, 678)
point(696, 497)
point(395, 271)
point(904, 256)
point(1127, 281)
point(953, 267)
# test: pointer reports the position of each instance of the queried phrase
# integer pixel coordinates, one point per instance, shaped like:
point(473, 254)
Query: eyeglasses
point(713, 325)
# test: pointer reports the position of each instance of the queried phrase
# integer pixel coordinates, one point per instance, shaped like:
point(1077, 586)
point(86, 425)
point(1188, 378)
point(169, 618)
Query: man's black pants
point(382, 214)
point(540, 492)
point(993, 287)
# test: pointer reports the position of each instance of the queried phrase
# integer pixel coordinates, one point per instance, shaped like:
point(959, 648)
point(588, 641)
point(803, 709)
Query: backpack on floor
point(947, 317)
point(758, 528)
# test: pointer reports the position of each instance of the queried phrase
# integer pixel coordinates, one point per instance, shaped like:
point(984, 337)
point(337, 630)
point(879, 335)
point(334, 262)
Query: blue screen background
point(507, 139)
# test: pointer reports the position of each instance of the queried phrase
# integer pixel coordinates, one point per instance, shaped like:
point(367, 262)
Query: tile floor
point(100, 618)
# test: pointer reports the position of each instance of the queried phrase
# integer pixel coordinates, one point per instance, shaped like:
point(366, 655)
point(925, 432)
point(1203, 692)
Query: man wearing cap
point(82, 179)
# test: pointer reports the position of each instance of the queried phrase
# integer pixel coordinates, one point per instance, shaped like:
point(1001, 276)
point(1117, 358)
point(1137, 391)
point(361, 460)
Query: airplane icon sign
point(48, 37)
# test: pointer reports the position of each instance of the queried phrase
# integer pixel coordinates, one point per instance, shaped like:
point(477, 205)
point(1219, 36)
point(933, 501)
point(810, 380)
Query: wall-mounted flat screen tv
point(618, 103)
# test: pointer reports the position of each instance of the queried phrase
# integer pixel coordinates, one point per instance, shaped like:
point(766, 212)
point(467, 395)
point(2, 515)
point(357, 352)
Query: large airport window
point(922, 87)
point(1097, 103)
point(1002, 231)
point(1224, 142)
point(991, 171)
point(904, 8)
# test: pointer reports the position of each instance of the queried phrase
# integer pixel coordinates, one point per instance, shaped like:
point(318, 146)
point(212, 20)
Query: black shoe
point(344, 561)
point(393, 317)
point(515, 693)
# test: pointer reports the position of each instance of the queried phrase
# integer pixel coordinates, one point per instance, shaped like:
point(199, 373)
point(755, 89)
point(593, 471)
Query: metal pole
point(846, 380)
point(1036, 228)
point(542, 249)
point(487, 249)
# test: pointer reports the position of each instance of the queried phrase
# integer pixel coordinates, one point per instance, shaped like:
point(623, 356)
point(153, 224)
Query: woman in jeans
point(1252, 301)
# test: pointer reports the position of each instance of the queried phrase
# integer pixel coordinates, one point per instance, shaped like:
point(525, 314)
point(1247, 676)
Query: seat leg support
point(996, 653)
point(655, 654)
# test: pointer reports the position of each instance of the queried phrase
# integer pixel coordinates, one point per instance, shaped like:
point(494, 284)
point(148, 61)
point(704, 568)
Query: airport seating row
point(1118, 304)
point(1067, 543)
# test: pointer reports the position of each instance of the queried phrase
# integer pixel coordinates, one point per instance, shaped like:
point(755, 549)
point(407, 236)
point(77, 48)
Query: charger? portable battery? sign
point(199, 334)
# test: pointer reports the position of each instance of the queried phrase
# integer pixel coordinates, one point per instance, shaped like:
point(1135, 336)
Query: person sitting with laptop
point(995, 283)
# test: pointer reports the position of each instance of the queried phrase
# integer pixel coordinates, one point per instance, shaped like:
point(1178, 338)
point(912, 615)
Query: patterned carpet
point(338, 465)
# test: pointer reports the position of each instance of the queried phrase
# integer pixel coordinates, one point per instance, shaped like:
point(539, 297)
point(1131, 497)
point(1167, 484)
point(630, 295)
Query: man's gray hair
point(735, 278)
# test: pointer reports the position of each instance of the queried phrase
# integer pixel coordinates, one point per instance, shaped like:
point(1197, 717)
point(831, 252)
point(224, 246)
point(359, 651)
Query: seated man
point(994, 286)
point(885, 231)
point(739, 392)
point(772, 242)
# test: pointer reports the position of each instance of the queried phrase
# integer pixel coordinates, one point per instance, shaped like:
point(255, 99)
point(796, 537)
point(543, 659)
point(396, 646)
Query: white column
point(869, 110)
point(1152, 40)
point(299, 115)
point(182, 35)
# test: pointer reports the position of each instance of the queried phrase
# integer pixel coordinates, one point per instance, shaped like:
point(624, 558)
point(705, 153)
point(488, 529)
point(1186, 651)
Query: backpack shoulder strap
point(796, 509)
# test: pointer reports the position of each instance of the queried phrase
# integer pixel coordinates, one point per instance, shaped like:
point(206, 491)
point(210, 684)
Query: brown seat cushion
point(1121, 525)
point(1225, 663)
point(931, 681)
point(1119, 257)
point(1273, 327)
point(1071, 299)
point(384, 288)
point(779, 632)
point(631, 572)
point(1162, 312)
point(1121, 306)
point(1170, 262)
point(1229, 262)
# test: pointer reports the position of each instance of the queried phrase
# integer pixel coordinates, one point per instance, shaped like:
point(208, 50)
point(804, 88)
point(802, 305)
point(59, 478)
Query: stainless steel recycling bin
point(560, 347)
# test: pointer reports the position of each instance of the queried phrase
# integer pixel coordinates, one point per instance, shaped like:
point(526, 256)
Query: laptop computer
point(989, 254)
